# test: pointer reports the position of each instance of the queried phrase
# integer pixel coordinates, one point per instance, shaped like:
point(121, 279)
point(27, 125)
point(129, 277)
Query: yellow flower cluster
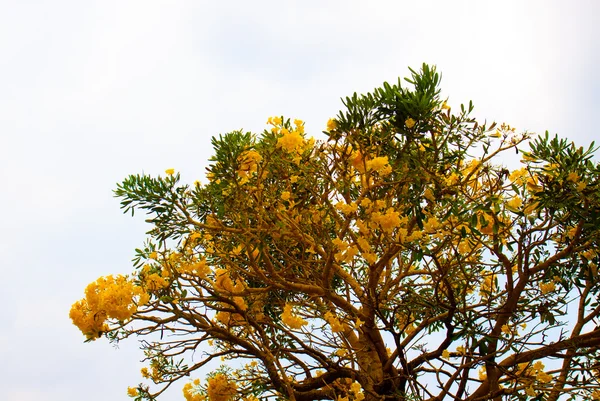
point(226, 286)
point(356, 390)
point(191, 393)
point(248, 164)
point(331, 125)
point(107, 298)
point(153, 281)
point(197, 268)
point(547, 287)
point(345, 252)
point(290, 319)
point(514, 204)
point(336, 325)
point(220, 388)
point(387, 221)
point(346, 209)
point(380, 165)
point(488, 286)
point(527, 373)
point(291, 141)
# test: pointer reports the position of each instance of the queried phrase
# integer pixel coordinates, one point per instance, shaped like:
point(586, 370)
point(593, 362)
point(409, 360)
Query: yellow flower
point(518, 175)
point(132, 392)
point(336, 325)
point(291, 320)
point(285, 195)
point(107, 298)
point(543, 377)
point(446, 354)
point(409, 123)
point(170, 171)
point(220, 388)
point(514, 204)
point(496, 134)
point(547, 287)
point(290, 141)
point(573, 177)
point(380, 165)
point(274, 121)
point(530, 391)
point(345, 208)
point(445, 106)
point(331, 125)
point(388, 220)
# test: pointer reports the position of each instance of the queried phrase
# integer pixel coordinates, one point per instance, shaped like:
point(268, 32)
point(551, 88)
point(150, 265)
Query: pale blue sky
point(91, 91)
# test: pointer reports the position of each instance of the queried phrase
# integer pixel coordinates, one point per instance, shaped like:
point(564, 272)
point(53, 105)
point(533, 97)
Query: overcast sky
point(92, 91)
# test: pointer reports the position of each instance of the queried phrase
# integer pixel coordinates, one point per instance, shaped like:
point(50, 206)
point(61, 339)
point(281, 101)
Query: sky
point(92, 91)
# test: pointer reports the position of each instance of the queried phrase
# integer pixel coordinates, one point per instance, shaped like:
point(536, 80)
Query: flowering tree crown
point(398, 259)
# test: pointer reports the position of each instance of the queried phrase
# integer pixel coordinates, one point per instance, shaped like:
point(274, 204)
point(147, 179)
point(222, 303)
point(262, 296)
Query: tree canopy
point(400, 258)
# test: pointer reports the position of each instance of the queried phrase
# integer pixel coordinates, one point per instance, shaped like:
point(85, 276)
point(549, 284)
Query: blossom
point(547, 287)
point(190, 391)
point(514, 204)
point(388, 220)
point(155, 282)
point(132, 391)
point(517, 176)
point(496, 134)
point(291, 320)
point(248, 164)
point(431, 224)
point(331, 124)
point(107, 298)
point(446, 354)
point(274, 121)
point(336, 325)
point(409, 123)
point(170, 171)
point(220, 388)
point(356, 389)
point(285, 195)
point(573, 177)
point(290, 141)
point(345, 208)
point(380, 165)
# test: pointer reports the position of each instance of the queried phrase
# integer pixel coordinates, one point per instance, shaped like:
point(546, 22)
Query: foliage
point(398, 259)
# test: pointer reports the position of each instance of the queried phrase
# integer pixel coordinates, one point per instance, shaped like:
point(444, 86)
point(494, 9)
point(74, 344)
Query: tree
point(396, 260)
